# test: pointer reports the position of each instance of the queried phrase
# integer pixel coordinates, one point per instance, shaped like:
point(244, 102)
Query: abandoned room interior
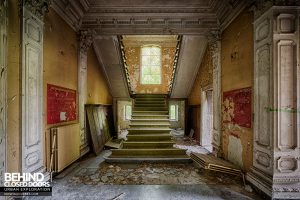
point(152, 99)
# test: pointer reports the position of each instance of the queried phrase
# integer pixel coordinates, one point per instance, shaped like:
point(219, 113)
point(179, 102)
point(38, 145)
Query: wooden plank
point(99, 126)
point(93, 130)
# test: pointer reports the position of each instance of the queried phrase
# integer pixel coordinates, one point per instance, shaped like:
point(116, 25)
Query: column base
point(260, 180)
point(286, 190)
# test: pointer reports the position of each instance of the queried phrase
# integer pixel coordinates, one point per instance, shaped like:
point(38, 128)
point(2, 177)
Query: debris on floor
point(94, 178)
point(148, 174)
point(123, 134)
point(113, 144)
point(144, 173)
point(177, 133)
point(190, 145)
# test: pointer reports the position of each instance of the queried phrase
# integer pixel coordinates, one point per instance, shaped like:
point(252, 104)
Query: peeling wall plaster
point(133, 62)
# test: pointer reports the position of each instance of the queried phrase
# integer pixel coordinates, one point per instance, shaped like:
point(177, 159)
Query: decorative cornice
point(86, 38)
point(38, 7)
point(196, 17)
point(259, 7)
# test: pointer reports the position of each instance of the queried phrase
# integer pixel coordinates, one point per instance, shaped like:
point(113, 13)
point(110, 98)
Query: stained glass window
point(151, 65)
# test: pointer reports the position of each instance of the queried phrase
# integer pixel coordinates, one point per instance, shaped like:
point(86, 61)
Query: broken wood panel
point(98, 126)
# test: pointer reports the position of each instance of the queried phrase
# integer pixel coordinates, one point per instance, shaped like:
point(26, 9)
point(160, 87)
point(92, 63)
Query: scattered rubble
point(149, 173)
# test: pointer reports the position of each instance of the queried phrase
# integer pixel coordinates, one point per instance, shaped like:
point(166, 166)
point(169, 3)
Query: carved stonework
point(215, 49)
point(286, 189)
point(32, 101)
point(38, 7)
point(85, 40)
point(276, 92)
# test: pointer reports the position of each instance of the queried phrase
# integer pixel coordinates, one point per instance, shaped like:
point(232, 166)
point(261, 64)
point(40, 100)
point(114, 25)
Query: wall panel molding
point(276, 146)
point(32, 77)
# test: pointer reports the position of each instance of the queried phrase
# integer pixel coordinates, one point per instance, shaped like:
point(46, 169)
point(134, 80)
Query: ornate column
point(276, 148)
point(32, 13)
point(215, 49)
point(3, 82)
point(85, 41)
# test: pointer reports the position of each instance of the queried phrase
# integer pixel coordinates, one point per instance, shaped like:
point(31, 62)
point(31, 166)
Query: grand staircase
point(149, 137)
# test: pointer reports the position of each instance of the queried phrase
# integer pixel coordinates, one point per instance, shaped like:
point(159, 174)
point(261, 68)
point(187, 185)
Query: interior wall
point(13, 88)
point(97, 87)
point(203, 79)
point(237, 73)
point(60, 57)
point(134, 70)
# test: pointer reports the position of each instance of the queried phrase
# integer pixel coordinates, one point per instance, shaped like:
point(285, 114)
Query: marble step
point(147, 145)
point(150, 109)
point(148, 152)
point(149, 116)
point(148, 137)
point(153, 112)
point(153, 130)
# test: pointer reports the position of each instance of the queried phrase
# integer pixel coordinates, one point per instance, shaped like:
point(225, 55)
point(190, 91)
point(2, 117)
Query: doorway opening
point(206, 118)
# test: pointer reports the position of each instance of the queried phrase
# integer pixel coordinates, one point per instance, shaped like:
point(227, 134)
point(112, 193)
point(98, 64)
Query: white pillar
point(32, 13)
point(215, 49)
point(276, 146)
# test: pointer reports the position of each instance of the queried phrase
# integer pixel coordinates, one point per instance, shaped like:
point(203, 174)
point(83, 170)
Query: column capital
point(213, 38)
point(38, 7)
point(86, 38)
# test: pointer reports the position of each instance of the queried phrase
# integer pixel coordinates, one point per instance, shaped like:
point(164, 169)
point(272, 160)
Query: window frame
point(125, 111)
point(141, 64)
point(176, 112)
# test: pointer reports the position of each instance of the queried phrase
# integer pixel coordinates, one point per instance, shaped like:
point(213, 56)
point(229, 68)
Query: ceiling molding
point(232, 14)
point(112, 17)
point(71, 11)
